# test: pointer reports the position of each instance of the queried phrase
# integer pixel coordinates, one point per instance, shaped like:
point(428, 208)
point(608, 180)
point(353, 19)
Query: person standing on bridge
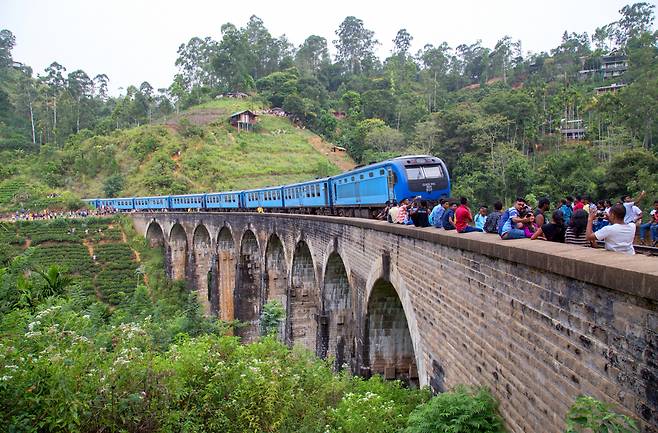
point(618, 236)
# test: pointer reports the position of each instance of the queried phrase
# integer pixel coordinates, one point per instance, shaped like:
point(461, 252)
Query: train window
point(415, 173)
point(352, 178)
point(371, 174)
point(381, 172)
point(361, 177)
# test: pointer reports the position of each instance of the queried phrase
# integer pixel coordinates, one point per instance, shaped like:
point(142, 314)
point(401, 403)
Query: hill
point(194, 151)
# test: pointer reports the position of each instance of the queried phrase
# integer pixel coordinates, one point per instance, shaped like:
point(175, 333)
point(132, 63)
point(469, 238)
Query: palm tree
point(56, 281)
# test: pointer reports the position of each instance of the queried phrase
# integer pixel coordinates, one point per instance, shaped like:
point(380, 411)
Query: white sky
point(136, 40)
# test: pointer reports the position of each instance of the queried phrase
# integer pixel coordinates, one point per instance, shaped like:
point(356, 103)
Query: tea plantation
point(90, 250)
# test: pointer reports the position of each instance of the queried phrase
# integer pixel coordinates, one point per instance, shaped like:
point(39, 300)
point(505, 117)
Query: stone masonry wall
point(538, 323)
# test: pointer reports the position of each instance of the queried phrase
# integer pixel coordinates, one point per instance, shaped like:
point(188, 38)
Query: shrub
point(462, 410)
point(590, 415)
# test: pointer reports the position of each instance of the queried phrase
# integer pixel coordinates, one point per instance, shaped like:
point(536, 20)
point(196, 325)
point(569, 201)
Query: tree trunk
point(34, 137)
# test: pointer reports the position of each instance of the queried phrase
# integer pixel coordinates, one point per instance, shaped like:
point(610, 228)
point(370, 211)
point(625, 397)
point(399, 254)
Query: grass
point(166, 159)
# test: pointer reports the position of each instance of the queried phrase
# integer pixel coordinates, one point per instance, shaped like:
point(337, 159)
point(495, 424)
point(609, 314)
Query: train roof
point(308, 182)
point(224, 192)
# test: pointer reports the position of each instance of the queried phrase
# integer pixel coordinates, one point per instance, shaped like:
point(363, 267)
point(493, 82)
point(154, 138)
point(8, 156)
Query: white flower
point(5, 378)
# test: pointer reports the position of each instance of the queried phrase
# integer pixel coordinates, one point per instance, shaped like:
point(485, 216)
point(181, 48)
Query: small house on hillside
point(243, 120)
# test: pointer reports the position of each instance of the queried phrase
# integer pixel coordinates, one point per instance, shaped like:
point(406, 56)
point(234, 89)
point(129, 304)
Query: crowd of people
point(578, 221)
point(46, 214)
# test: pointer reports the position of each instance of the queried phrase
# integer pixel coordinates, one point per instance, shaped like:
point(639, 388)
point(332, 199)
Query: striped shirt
point(571, 238)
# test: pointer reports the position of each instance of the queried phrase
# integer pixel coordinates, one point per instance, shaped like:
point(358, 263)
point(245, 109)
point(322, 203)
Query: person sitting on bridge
point(509, 229)
point(529, 227)
point(383, 215)
point(552, 231)
point(448, 219)
point(543, 205)
point(481, 217)
point(575, 233)
point(402, 211)
point(421, 215)
point(437, 214)
point(493, 219)
point(618, 236)
point(463, 218)
point(652, 226)
point(393, 212)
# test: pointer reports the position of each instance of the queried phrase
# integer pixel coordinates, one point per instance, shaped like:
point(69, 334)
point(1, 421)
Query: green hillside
point(195, 151)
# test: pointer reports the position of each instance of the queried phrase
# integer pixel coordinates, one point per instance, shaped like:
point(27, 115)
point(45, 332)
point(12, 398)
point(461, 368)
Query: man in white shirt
point(618, 236)
point(633, 213)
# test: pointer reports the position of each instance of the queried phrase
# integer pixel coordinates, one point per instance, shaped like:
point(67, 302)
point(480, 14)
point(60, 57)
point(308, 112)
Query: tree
point(355, 45)
point(54, 79)
point(101, 85)
point(194, 61)
point(312, 55)
point(7, 43)
point(113, 185)
point(27, 95)
point(56, 281)
point(402, 43)
point(635, 19)
point(80, 87)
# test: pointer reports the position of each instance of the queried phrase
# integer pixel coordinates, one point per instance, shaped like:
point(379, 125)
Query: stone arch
point(303, 299)
point(248, 297)
point(389, 348)
point(276, 274)
point(202, 255)
point(178, 252)
point(226, 265)
point(337, 324)
point(155, 235)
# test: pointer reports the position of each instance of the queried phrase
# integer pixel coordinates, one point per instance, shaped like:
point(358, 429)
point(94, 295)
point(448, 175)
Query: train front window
point(424, 172)
point(433, 171)
point(415, 173)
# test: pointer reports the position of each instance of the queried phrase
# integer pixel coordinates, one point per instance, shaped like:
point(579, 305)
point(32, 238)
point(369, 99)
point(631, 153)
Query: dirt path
point(138, 256)
point(340, 159)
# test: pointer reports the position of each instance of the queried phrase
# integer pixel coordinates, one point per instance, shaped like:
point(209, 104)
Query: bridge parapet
point(539, 323)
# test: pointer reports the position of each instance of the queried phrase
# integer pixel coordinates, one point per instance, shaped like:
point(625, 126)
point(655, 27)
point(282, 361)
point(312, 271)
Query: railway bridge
point(538, 323)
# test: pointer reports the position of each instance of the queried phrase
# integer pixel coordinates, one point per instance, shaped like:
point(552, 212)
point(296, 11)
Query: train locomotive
point(360, 192)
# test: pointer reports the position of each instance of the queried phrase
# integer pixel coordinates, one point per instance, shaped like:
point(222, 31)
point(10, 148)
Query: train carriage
point(124, 203)
point(223, 200)
point(312, 194)
point(188, 201)
point(270, 198)
point(152, 203)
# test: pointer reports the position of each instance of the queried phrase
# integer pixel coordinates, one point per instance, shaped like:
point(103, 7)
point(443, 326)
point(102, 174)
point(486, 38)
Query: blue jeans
point(653, 228)
point(514, 234)
point(469, 229)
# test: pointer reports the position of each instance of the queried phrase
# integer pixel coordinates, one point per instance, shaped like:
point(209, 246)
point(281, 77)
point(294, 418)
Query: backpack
point(491, 224)
point(502, 221)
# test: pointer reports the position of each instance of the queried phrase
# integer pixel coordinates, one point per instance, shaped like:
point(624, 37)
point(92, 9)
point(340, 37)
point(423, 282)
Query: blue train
point(358, 192)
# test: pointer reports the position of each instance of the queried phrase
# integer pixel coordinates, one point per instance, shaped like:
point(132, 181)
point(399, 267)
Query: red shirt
point(578, 205)
point(462, 217)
